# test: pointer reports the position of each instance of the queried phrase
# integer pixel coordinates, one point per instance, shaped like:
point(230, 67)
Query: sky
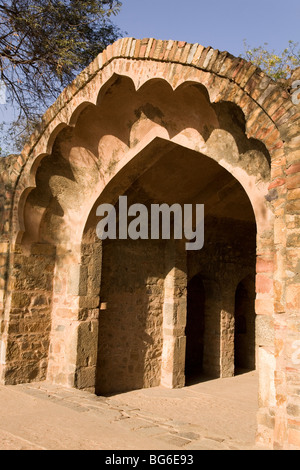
point(220, 24)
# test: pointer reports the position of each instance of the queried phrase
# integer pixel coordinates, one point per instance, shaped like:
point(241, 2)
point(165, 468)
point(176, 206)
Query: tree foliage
point(44, 44)
point(277, 66)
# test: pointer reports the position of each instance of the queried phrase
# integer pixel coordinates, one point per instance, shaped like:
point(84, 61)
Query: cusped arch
point(118, 147)
point(148, 154)
point(80, 108)
point(102, 75)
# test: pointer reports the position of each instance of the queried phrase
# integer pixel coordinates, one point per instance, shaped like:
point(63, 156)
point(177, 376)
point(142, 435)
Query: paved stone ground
point(212, 415)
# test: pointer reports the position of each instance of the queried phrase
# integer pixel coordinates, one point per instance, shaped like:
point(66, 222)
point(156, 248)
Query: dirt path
point(214, 415)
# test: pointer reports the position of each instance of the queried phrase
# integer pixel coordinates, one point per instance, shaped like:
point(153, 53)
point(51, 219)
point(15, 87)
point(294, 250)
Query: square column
point(174, 317)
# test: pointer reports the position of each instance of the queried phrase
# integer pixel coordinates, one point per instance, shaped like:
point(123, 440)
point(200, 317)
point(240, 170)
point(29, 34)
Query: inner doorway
point(195, 328)
point(244, 334)
point(136, 304)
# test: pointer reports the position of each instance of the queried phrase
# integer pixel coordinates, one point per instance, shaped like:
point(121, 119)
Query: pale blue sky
point(220, 24)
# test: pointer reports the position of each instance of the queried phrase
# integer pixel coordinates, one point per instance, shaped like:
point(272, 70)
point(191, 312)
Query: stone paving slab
point(45, 416)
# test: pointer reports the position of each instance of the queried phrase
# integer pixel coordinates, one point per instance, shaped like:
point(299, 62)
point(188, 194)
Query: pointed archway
point(152, 298)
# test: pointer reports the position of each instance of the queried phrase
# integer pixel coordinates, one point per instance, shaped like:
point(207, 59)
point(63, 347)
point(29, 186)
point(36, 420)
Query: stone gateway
point(160, 122)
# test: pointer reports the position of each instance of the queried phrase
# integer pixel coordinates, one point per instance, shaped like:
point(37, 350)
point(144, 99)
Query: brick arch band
point(139, 69)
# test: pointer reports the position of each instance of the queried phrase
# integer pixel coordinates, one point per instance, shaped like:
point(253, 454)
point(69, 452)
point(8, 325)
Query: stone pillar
point(89, 309)
point(227, 326)
point(269, 294)
point(74, 333)
point(227, 343)
point(212, 335)
point(174, 317)
point(65, 321)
